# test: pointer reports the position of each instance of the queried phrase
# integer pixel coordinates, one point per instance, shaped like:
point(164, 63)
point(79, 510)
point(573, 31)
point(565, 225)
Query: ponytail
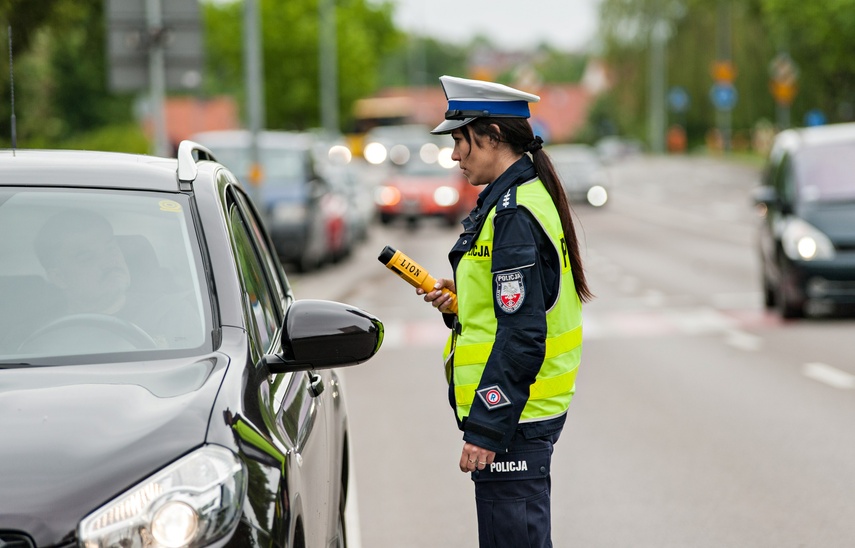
point(517, 133)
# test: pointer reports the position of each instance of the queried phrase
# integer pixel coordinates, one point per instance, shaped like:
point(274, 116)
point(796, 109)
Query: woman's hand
point(441, 301)
point(475, 458)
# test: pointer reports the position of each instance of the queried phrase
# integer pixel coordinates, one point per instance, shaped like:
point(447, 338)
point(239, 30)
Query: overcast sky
point(566, 24)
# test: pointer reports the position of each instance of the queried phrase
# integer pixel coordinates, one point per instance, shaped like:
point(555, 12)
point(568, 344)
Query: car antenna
point(12, 90)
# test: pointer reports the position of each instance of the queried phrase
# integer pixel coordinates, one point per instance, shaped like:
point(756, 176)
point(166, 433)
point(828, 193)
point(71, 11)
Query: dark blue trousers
point(512, 496)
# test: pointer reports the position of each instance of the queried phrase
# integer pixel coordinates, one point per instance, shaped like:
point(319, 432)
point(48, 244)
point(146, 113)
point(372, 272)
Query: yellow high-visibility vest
point(555, 385)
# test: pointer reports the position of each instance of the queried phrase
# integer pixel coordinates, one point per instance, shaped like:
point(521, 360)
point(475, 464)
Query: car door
point(299, 422)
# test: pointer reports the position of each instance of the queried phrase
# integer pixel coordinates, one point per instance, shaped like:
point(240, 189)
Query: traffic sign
point(785, 75)
point(783, 69)
point(815, 117)
point(678, 99)
point(723, 71)
point(129, 41)
point(723, 96)
point(783, 92)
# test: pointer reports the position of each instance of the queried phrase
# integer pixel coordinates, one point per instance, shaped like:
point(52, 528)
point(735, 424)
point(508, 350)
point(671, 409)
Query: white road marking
point(353, 532)
point(743, 341)
point(829, 375)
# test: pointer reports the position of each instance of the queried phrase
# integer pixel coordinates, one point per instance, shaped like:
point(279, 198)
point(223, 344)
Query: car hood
point(835, 220)
point(74, 437)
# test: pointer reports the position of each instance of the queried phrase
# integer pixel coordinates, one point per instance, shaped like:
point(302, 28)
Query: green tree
point(365, 32)
point(60, 85)
point(818, 36)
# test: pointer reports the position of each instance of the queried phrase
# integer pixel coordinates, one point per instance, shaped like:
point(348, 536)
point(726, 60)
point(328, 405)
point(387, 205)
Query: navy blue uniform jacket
point(520, 243)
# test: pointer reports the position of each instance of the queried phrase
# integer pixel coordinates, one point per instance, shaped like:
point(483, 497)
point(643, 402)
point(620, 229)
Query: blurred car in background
point(418, 190)
point(418, 178)
point(581, 172)
point(296, 202)
point(351, 209)
point(807, 237)
point(613, 148)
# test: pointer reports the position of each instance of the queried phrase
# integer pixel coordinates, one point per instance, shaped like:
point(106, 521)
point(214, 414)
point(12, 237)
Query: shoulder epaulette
point(508, 200)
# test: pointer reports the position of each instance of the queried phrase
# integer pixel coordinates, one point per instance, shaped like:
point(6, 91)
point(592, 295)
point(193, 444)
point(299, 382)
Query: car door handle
point(316, 385)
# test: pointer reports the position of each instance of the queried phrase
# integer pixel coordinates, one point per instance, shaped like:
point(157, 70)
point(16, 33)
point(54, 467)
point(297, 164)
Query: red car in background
point(417, 177)
point(418, 190)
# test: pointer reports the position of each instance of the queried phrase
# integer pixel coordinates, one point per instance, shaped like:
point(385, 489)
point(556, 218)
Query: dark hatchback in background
point(295, 200)
point(160, 386)
point(807, 237)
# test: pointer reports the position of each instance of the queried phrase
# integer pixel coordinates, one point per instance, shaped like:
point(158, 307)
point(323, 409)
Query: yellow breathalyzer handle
point(413, 273)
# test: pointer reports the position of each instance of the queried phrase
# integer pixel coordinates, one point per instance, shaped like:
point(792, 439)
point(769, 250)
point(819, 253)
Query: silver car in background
point(582, 172)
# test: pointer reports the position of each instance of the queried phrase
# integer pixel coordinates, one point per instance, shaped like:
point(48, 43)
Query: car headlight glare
point(597, 196)
point(375, 153)
point(387, 196)
point(429, 153)
point(445, 196)
point(804, 242)
point(444, 158)
point(194, 501)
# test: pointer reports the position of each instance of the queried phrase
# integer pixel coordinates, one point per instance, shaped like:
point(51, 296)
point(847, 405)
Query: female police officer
point(516, 339)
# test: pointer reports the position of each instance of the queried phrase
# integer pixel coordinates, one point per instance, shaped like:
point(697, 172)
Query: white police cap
point(470, 99)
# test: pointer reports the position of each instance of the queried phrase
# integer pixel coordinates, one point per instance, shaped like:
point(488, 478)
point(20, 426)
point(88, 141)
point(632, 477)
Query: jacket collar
point(520, 172)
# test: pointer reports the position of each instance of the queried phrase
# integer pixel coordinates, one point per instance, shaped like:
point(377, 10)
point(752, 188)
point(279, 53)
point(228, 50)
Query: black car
point(807, 238)
point(159, 384)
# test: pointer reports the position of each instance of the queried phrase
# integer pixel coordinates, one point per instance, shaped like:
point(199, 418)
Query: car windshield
point(280, 167)
point(94, 276)
point(825, 173)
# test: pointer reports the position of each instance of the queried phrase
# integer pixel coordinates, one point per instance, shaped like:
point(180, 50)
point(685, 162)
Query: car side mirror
point(324, 334)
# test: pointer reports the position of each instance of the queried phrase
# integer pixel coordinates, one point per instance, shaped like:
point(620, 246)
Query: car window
point(785, 181)
point(259, 296)
point(280, 285)
point(88, 273)
point(824, 173)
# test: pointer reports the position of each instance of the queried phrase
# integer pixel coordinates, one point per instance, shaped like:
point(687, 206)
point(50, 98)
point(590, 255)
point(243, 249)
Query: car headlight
point(192, 502)
point(445, 196)
point(399, 154)
point(387, 196)
point(374, 153)
point(804, 242)
point(444, 158)
point(597, 196)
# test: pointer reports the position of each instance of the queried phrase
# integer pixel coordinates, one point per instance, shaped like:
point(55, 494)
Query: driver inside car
point(82, 257)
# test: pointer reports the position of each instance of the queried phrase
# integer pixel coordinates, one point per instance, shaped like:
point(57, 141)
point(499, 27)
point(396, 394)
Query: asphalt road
point(700, 420)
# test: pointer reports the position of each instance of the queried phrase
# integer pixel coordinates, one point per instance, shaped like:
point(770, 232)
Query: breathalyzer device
point(413, 273)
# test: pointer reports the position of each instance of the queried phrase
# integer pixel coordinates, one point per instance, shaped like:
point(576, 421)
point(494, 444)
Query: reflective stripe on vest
point(554, 387)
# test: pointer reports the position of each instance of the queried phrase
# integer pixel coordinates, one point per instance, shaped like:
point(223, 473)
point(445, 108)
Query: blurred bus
point(374, 112)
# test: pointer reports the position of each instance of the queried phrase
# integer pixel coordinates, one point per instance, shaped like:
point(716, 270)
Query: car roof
point(817, 136)
point(87, 169)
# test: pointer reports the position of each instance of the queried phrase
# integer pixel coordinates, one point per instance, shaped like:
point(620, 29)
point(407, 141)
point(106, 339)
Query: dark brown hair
point(517, 133)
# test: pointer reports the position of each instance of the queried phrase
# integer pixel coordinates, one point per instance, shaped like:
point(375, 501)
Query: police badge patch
point(510, 290)
point(493, 397)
